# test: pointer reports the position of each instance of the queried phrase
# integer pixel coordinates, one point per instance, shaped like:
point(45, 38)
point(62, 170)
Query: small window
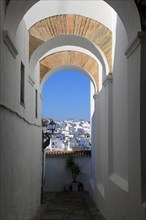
point(22, 84)
point(7, 3)
point(36, 103)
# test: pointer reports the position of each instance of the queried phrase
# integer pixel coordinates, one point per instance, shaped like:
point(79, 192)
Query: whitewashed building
point(56, 145)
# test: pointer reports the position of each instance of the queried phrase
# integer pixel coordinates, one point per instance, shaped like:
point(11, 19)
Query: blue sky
point(66, 94)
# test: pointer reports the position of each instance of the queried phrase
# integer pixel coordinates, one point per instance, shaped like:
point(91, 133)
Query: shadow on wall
point(57, 176)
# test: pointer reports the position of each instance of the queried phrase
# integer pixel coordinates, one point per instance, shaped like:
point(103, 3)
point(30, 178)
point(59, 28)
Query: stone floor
point(68, 206)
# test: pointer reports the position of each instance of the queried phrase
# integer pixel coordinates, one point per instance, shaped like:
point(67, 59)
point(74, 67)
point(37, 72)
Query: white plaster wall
point(101, 145)
point(10, 76)
point(137, 209)
point(93, 11)
point(20, 166)
point(92, 121)
point(22, 40)
point(123, 185)
point(111, 136)
point(20, 134)
point(92, 107)
point(131, 20)
point(120, 104)
point(57, 175)
point(117, 179)
point(117, 143)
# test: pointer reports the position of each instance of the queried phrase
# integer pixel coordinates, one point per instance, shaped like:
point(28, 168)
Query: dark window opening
point(22, 84)
point(36, 103)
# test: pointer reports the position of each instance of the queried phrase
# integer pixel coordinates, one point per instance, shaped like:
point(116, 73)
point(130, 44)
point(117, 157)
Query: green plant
point(74, 167)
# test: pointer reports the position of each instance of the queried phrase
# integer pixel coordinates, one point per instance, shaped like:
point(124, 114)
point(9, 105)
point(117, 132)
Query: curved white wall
point(131, 21)
point(93, 11)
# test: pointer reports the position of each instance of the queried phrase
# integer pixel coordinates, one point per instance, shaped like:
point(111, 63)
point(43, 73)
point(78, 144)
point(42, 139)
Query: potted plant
point(75, 170)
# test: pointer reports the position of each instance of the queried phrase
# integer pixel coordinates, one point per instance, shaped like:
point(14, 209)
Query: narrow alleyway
point(68, 205)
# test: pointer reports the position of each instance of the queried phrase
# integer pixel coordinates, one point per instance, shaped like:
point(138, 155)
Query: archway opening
point(66, 94)
point(66, 100)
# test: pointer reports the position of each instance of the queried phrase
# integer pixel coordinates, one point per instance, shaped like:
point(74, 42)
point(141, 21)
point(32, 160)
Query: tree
point(74, 167)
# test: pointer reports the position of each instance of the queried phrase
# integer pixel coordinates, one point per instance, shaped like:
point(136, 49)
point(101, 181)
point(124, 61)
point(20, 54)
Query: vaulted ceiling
point(70, 57)
point(71, 24)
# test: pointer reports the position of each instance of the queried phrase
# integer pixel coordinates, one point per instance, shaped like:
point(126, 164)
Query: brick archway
point(79, 25)
point(70, 58)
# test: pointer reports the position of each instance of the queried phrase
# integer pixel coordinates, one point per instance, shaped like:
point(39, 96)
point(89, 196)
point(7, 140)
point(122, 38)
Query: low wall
point(57, 175)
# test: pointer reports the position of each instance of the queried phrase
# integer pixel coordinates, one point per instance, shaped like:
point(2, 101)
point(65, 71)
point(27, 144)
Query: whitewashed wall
point(117, 173)
point(20, 139)
point(57, 176)
point(111, 135)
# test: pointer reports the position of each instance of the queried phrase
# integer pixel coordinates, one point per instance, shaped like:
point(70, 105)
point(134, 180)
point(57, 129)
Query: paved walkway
point(68, 206)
